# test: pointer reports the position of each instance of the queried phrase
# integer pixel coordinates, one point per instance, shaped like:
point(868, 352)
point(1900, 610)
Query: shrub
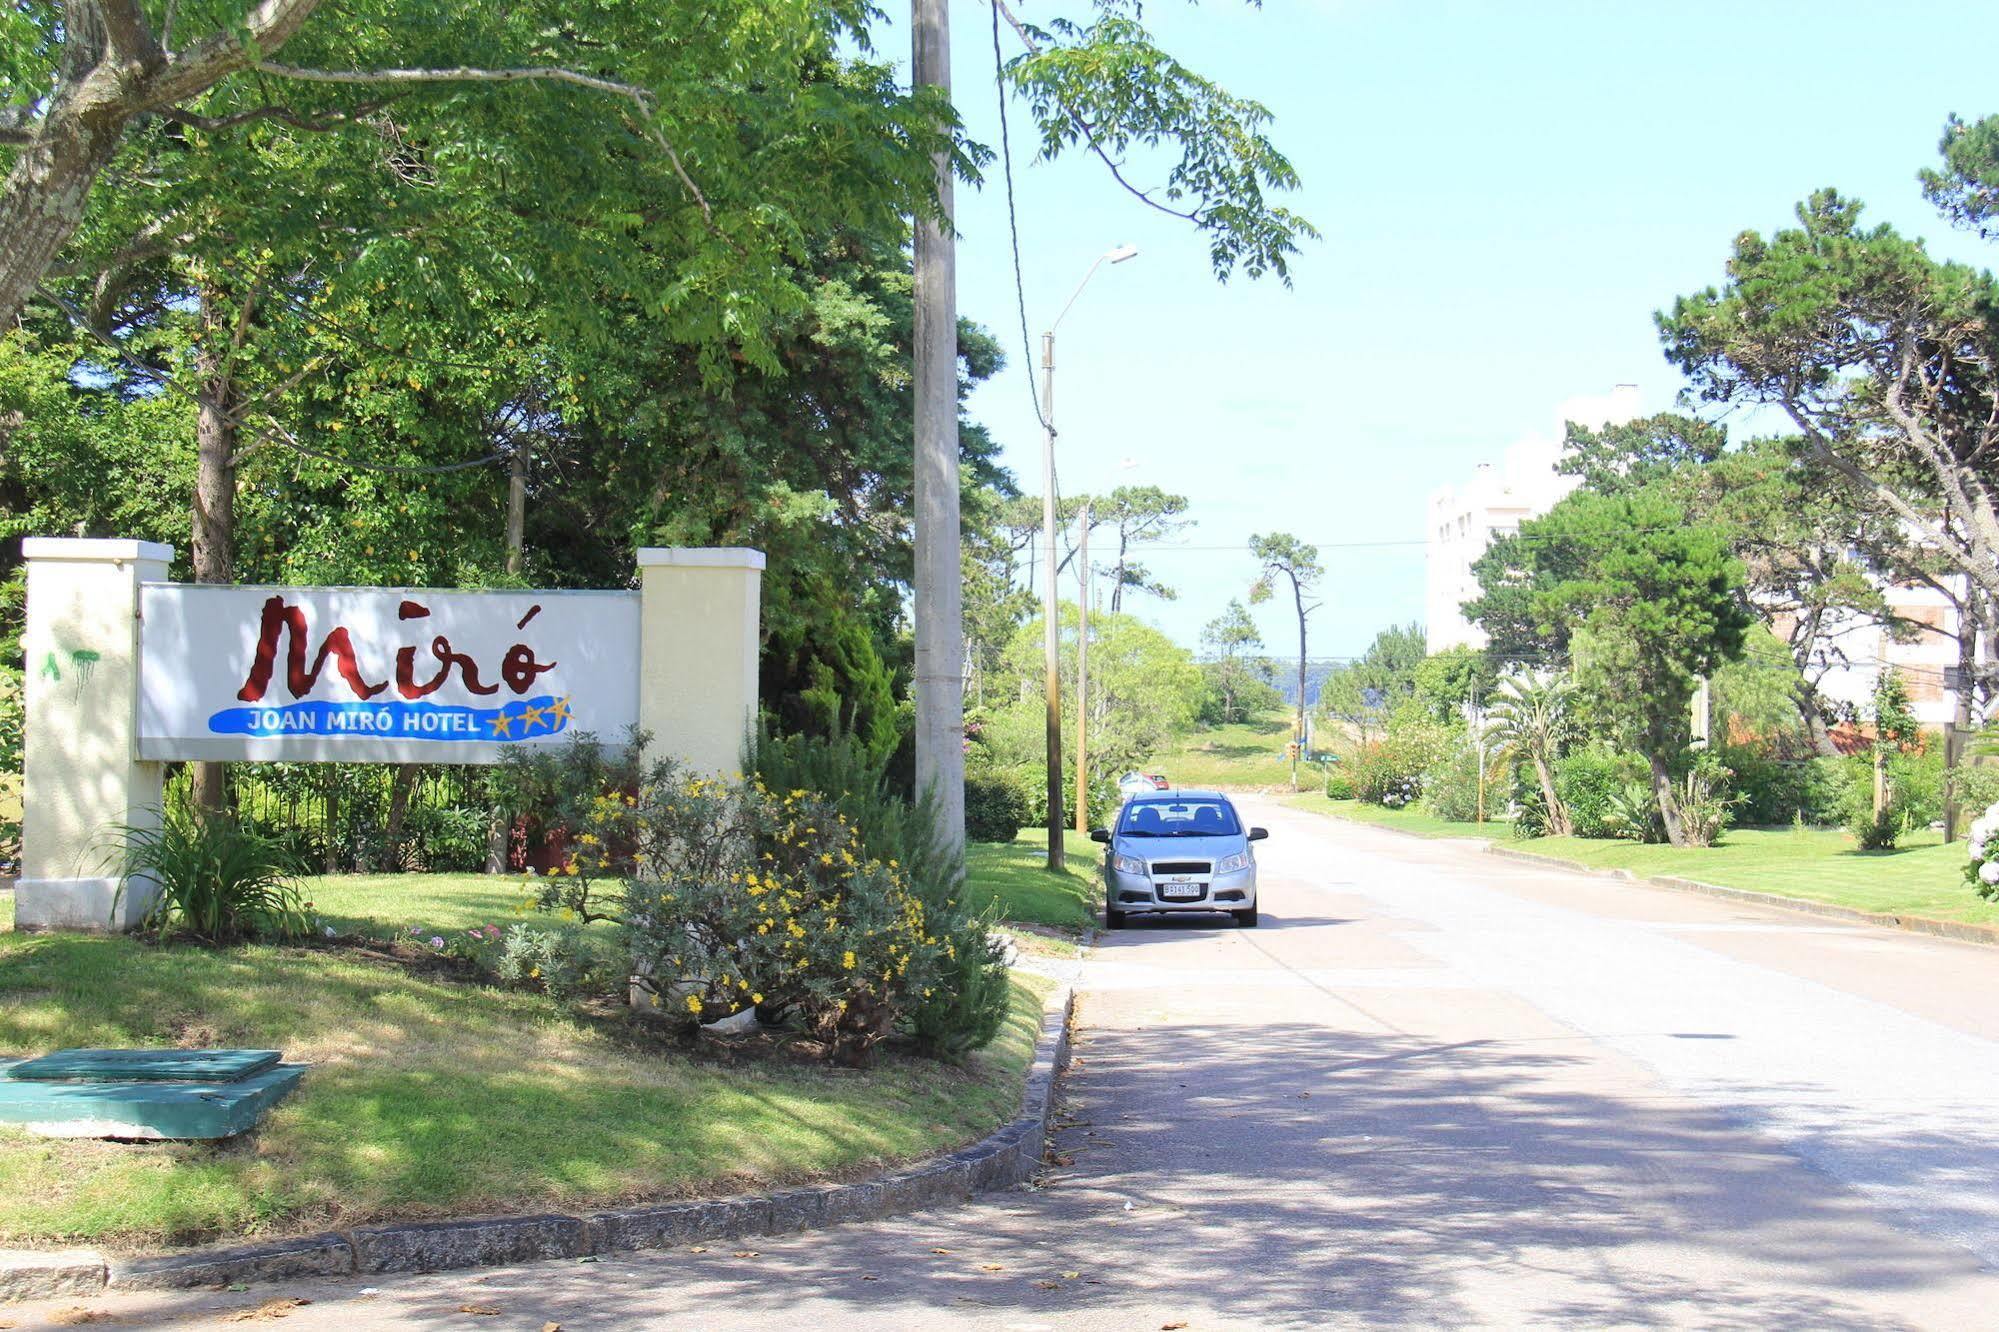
point(996, 807)
point(1587, 782)
point(837, 912)
point(1977, 787)
point(540, 960)
point(1981, 869)
point(1389, 771)
point(1450, 785)
point(1631, 813)
point(218, 881)
point(1706, 800)
point(1769, 790)
point(1339, 786)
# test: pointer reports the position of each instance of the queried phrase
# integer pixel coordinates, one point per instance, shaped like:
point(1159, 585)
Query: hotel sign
point(385, 675)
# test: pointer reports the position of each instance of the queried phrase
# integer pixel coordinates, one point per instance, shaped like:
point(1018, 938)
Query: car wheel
point(1245, 918)
point(1113, 919)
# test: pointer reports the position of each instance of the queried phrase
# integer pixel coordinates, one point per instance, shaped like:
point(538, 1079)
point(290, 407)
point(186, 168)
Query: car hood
point(1179, 848)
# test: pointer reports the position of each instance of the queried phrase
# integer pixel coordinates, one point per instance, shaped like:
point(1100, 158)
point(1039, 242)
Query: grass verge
point(1248, 755)
point(1403, 820)
point(1919, 878)
point(1014, 877)
point(431, 1098)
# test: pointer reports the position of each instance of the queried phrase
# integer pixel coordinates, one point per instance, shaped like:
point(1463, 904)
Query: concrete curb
point(1003, 1159)
point(1942, 929)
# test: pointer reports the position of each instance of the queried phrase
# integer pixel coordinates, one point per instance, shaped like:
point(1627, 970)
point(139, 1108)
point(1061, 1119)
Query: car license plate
point(1180, 889)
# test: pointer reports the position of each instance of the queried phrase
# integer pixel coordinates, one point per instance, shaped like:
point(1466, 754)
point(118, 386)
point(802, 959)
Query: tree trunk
point(517, 505)
point(1558, 815)
point(1815, 727)
point(42, 203)
point(1669, 802)
point(214, 512)
point(401, 785)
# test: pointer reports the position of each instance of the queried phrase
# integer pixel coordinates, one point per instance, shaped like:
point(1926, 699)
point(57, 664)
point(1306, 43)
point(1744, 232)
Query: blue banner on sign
point(525, 719)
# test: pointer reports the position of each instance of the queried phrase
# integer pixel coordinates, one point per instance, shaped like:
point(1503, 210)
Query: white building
point(1857, 650)
point(1464, 519)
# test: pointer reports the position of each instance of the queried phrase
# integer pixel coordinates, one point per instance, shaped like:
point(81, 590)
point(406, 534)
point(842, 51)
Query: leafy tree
point(1144, 688)
point(1445, 681)
point(1365, 692)
point(1139, 513)
point(1647, 601)
point(1815, 555)
point(1229, 638)
point(1285, 556)
point(1883, 358)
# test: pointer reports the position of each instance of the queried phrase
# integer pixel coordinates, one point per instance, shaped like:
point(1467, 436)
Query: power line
point(1013, 225)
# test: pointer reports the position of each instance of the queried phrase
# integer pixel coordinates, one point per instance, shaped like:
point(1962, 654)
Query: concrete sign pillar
point(699, 631)
point(127, 672)
point(82, 779)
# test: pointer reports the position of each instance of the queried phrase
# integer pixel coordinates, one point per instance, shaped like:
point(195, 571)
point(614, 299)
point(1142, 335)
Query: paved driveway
point(1435, 1088)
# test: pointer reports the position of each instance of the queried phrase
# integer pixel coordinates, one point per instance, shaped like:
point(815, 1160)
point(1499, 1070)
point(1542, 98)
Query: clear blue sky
point(1507, 192)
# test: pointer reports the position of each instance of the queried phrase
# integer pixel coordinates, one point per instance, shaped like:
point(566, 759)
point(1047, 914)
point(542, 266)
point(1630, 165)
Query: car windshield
point(1178, 818)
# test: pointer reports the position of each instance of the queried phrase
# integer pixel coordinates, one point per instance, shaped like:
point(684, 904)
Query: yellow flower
point(694, 1004)
point(847, 959)
point(756, 998)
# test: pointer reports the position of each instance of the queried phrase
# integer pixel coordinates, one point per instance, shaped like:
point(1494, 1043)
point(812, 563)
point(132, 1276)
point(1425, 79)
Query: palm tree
point(1530, 716)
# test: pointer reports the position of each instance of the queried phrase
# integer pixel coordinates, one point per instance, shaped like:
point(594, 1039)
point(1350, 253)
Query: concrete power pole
point(1083, 674)
point(1051, 608)
point(939, 590)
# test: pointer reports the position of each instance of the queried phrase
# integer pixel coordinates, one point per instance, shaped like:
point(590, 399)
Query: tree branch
point(268, 26)
point(1083, 128)
point(282, 114)
point(641, 98)
point(457, 74)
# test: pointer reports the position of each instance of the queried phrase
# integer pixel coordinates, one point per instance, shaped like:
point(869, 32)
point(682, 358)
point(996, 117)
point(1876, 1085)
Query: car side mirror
point(1100, 834)
point(1258, 834)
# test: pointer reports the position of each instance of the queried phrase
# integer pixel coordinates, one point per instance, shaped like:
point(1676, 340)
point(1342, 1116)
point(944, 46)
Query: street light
point(1051, 641)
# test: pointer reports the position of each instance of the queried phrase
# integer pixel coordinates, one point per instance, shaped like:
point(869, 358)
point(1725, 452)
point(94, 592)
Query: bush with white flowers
point(1982, 870)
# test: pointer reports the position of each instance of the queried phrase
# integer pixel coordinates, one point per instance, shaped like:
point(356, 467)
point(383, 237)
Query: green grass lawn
point(1247, 755)
point(1404, 820)
point(433, 1097)
point(1920, 878)
point(1014, 876)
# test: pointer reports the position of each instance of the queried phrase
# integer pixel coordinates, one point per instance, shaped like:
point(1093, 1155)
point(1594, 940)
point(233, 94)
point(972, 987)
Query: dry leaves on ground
point(268, 1310)
point(480, 1310)
point(77, 1316)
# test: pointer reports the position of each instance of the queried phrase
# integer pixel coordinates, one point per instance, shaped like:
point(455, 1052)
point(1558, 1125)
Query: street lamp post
point(1051, 638)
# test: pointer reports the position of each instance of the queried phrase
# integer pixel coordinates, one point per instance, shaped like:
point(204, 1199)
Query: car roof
point(1184, 793)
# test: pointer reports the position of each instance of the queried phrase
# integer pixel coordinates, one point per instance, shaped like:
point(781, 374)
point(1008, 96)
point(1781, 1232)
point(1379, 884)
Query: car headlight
point(1241, 860)
point(1128, 865)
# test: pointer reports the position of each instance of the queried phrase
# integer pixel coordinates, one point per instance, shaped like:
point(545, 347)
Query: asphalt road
point(1435, 1088)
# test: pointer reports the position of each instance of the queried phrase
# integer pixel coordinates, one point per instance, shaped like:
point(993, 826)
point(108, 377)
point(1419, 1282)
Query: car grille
point(1182, 866)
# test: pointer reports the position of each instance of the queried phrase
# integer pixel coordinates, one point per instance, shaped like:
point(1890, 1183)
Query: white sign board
point(380, 675)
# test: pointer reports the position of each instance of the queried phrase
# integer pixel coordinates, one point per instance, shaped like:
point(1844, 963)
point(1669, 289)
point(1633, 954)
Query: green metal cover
point(153, 1109)
point(144, 1065)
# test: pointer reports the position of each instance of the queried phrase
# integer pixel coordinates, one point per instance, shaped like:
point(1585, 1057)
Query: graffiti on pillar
point(82, 666)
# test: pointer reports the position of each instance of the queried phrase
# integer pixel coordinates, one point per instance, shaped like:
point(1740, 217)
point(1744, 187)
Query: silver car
point(1177, 851)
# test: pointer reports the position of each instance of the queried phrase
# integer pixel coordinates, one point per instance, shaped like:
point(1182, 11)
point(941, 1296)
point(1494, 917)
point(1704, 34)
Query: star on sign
point(558, 711)
point(532, 716)
point(502, 724)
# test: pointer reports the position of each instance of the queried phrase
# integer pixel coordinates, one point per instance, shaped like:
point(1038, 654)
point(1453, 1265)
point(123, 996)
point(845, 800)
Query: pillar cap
point(94, 548)
point(700, 557)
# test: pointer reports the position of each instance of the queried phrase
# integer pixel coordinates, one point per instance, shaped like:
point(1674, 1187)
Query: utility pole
point(1701, 724)
point(1083, 673)
point(938, 607)
point(1051, 607)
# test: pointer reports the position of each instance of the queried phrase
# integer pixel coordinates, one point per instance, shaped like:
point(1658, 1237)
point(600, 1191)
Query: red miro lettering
point(289, 621)
point(519, 668)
